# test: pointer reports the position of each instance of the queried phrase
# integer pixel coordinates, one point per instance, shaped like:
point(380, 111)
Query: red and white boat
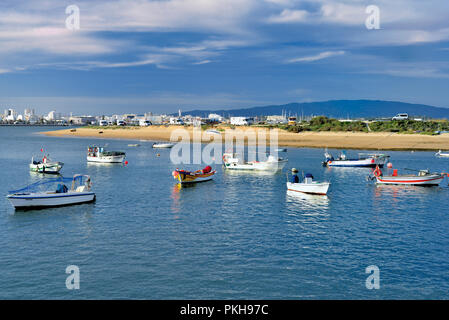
point(423, 178)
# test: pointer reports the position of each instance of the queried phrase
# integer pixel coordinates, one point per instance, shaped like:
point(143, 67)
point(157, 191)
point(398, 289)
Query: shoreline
point(332, 140)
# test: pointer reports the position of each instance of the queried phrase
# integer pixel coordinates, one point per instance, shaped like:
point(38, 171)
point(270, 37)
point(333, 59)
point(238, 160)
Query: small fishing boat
point(281, 150)
point(163, 145)
point(422, 178)
point(442, 154)
point(185, 177)
point(308, 185)
point(232, 161)
point(46, 165)
point(99, 154)
point(367, 160)
point(55, 193)
point(134, 145)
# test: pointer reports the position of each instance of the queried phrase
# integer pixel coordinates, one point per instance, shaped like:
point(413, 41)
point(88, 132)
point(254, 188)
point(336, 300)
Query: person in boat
point(294, 178)
point(61, 188)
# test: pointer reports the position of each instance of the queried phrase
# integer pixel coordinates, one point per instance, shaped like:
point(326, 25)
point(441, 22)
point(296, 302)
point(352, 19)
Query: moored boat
point(368, 160)
point(55, 193)
point(442, 154)
point(308, 185)
point(163, 145)
point(46, 165)
point(422, 178)
point(185, 177)
point(232, 161)
point(99, 154)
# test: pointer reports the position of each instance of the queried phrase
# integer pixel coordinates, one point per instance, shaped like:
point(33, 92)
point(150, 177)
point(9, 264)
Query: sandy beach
point(346, 140)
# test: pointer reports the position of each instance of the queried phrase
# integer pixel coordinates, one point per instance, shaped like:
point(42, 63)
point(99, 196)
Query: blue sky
point(140, 55)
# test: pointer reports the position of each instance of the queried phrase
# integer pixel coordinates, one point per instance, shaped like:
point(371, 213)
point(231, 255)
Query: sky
point(136, 56)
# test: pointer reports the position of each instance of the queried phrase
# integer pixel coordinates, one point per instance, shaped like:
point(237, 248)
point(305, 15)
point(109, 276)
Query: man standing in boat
point(295, 178)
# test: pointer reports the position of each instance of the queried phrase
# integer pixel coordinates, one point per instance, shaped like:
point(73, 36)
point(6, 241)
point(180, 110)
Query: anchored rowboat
point(56, 193)
point(185, 177)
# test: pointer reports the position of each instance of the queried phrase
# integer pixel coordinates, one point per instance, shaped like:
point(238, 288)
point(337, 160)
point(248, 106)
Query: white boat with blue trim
point(53, 193)
point(366, 160)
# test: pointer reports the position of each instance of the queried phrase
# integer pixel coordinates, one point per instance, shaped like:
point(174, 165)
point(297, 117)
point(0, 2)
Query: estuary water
point(240, 236)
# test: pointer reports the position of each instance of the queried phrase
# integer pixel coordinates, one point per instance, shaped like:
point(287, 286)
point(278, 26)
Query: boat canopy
point(53, 184)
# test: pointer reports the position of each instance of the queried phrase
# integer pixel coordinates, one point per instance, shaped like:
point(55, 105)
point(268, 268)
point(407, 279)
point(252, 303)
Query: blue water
point(240, 236)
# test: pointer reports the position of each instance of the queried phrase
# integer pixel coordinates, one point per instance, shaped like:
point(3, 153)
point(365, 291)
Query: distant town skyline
point(161, 56)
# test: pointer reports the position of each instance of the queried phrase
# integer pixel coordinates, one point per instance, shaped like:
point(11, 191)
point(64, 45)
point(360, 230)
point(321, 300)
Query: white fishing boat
point(232, 161)
point(46, 165)
point(99, 154)
point(163, 145)
point(422, 178)
point(308, 185)
point(53, 193)
point(368, 160)
point(442, 154)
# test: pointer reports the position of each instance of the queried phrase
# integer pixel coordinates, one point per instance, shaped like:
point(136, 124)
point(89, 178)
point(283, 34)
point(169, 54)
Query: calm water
point(240, 236)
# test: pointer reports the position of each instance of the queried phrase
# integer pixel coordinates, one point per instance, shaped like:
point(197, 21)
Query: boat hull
point(107, 159)
point(317, 188)
point(428, 180)
point(163, 145)
point(185, 178)
point(53, 168)
point(49, 200)
point(365, 163)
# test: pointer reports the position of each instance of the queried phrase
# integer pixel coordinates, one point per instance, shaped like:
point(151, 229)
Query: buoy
point(158, 155)
point(389, 165)
point(126, 162)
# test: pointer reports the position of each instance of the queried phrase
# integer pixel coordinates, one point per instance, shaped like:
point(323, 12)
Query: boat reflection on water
point(312, 204)
point(385, 191)
point(251, 172)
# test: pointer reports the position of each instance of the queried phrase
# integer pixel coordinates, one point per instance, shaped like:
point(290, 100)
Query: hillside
point(337, 109)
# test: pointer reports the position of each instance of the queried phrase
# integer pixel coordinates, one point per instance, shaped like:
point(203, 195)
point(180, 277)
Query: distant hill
point(336, 109)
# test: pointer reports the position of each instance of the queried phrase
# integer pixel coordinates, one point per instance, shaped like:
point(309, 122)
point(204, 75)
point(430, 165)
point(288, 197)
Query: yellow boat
point(185, 177)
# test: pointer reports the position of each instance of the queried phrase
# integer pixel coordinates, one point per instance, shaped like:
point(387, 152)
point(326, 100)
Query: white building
point(215, 117)
point(242, 121)
point(53, 116)
point(10, 115)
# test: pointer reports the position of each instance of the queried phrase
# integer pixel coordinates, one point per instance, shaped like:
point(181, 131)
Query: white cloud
point(320, 56)
point(288, 16)
point(203, 62)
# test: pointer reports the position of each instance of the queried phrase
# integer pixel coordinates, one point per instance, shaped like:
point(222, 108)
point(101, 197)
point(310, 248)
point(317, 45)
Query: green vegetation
point(322, 123)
